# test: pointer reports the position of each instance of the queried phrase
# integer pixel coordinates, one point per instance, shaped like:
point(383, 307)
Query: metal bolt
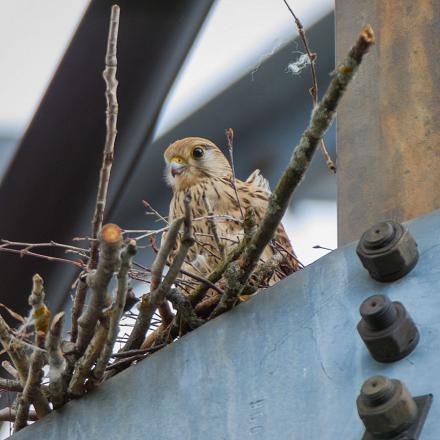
point(388, 251)
point(387, 329)
point(385, 406)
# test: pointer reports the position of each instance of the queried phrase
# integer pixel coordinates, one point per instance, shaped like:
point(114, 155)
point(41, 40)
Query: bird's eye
point(197, 153)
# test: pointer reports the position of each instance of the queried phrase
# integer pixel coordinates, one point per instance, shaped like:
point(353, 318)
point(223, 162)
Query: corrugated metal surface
point(286, 365)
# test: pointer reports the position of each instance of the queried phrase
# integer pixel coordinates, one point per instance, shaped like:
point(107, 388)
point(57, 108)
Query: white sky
point(33, 37)
point(235, 39)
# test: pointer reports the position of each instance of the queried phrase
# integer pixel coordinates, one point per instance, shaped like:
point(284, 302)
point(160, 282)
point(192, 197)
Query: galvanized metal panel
point(287, 364)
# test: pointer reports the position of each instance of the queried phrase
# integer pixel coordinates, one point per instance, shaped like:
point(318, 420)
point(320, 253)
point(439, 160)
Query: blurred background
point(192, 68)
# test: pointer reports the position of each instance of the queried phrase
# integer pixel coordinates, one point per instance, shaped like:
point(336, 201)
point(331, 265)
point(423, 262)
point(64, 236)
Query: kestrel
point(197, 165)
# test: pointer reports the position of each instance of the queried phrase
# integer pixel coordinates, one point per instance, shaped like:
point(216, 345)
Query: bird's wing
point(259, 181)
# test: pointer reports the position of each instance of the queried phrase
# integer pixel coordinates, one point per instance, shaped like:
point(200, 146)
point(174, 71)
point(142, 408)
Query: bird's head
point(192, 159)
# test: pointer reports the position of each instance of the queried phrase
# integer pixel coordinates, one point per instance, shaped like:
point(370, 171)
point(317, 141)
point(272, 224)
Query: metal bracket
point(413, 432)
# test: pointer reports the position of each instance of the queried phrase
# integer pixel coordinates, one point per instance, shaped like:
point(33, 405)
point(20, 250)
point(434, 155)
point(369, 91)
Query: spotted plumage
point(197, 165)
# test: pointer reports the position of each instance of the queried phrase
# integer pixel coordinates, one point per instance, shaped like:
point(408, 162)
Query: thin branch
point(146, 307)
point(314, 89)
point(230, 140)
point(57, 363)
point(115, 314)
point(111, 84)
point(31, 390)
point(321, 120)
point(109, 75)
point(9, 415)
point(125, 354)
point(110, 242)
point(10, 369)
point(84, 364)
point(153, 211)
point(24, 253)
point(212, 225)
point(183, 306)
point(11, 385)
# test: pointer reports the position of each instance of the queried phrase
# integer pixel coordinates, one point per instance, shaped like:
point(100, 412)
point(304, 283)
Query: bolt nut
point(387, 329)
point(385, 406)
point(387, 251)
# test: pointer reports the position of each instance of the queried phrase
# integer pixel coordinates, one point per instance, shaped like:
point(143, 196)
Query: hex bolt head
point(388, 251)
point(387, 329)
point(385, 406)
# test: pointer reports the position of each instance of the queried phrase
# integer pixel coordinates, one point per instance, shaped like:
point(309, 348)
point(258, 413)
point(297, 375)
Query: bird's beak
point(177, 166)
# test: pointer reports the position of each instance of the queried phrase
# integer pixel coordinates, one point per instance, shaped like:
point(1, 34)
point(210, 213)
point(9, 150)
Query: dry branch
point(115, 313)
point(314, 89)
point(10, 385)
point(147, 306)
point(57, 363)
point(111, 84)
point(184, 308)
point(31, 390)
point(230, 140)
point(84, 364)
point(110, 243)
point(321, 120)
point(9, 415)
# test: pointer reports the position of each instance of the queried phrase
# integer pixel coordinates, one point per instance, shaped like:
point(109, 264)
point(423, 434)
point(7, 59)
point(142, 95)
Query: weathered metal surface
point(387, 329)
point(388, 132)
point(287, 364)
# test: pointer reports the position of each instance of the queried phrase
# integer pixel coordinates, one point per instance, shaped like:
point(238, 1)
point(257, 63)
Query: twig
point(314, 89)
point(23, 253)
point(110, 242)
point(28, 246)
point(57, 363)
point(321, 119)
point(183, 306)
point(153, 211)
point(230, 140)
point(84, 364)
point(109, 75)
point(116, 313)
point(11, 385)
point(125, 354)
point(146, 307)
point(9, 415)
point(31, 390)
point(212, 225)
point(10, 369)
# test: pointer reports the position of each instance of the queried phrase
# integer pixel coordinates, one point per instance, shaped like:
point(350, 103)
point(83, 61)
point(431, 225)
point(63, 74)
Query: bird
point(198, 167)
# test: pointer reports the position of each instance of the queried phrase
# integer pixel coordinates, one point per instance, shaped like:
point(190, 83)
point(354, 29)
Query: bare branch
point(109, 74)
point(11, 385)
point(212, 225)
point(9, 415)
point(230, 139)
point(146, 307)
point(31, 390)
point(314, 89)
point(115, 314)
point(110, 242)
point(84, 364)
point(57, 363)
point(111, 84)
point(183, 306)
point(322, 117)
